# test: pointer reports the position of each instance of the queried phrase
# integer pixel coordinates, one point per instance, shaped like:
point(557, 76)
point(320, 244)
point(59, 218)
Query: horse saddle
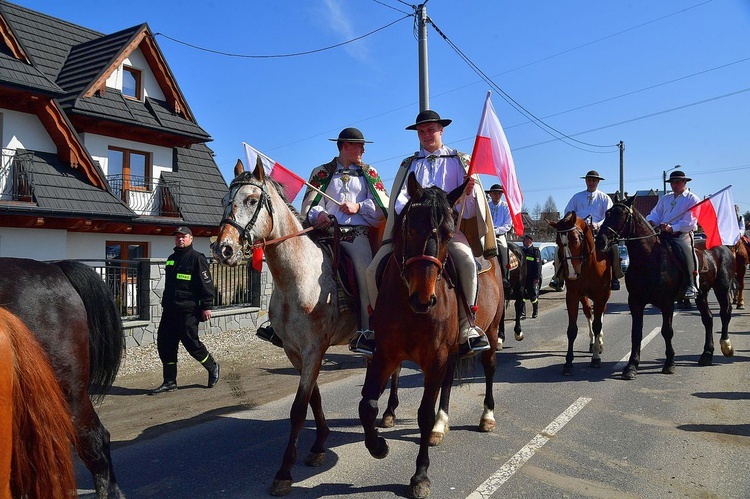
point(513, 261)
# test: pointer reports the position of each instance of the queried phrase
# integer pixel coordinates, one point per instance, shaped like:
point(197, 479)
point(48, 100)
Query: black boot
point(535, 310)
point(170, 380)
point(523, 312)
point(266, 333)
point(213, 370)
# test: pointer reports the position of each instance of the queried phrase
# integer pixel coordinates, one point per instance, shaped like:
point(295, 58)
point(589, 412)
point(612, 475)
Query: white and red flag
point(291, 182)
point(717, 217)
point(491, 156)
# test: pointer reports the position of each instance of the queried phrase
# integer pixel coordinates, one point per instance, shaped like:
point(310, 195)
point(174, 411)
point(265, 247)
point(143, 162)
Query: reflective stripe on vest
point(169, 262)
point(530, 258)
point(183, 277)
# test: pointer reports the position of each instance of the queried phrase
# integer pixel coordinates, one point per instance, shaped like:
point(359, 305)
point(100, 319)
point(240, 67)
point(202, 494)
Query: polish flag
point(717, 217)
point(491, 156)
point(291, 183)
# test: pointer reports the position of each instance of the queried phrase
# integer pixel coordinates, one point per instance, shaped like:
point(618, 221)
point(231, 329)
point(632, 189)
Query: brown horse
point(304, 304)
point(740, 266)
point(657, 275)
point(588, 275)
point(416, 319)
point(36, 432)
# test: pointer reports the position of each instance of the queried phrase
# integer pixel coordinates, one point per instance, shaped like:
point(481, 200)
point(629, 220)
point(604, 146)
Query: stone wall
point(143, 332)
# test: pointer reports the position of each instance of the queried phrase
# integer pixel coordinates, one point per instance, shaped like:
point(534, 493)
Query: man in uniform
point(533, 275)
point(187, 300)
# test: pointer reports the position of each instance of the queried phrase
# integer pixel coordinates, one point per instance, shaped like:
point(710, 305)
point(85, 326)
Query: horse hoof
point(668, 369)
point(315, 459)
point(741, 307)
point(596, 363)
point(519, 336)
point(419, 488)
point(281, 487)
point(487, 425)
point(381, 451)
point(707, 359)
point(629, 373)
point(726, 348)
point(568, 370)
point(388, 421)
point(436, 438)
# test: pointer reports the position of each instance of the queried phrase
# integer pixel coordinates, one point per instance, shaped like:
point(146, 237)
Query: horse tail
point(106, 339)
point(42, 428)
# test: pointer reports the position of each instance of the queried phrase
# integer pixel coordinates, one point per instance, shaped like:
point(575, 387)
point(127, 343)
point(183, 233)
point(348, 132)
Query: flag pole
point(308, 184)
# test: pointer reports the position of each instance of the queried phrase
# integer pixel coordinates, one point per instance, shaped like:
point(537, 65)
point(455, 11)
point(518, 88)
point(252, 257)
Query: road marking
point(512, 465)
point(645, 341)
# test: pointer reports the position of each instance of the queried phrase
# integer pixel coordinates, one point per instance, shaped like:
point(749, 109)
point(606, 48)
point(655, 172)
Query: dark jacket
point(188, 286)
point(533, 262)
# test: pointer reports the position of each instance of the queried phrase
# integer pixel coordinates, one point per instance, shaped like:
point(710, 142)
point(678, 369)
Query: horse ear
point(629, 202)
point(259, 171)
point(455, 194)
point(551, 223)
point(238, 168)
point(413, 188)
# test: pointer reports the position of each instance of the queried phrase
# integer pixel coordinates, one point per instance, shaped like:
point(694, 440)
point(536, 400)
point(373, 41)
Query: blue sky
point(669, 78)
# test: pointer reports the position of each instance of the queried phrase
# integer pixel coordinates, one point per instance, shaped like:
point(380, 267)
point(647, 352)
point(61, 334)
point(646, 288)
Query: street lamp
point(664, 178)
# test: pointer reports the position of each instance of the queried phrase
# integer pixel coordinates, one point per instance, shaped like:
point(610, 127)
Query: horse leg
point(572, 304)
point(597, 341)
point(419, 486)
point(282, 481)
point(317, 454)
point(725, 311)
point(487, 421)
point(667, 332)
point(501, 330)
point(519, 308)
point(92, 444)
point(636, 335)
point(389, 416)
point(442, 419)
point(378, 371)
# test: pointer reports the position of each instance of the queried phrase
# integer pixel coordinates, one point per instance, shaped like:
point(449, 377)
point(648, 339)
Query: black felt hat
point(679, 175)
point(428, 116)
point(495, 188)
point(593, 174)
point(351, 134)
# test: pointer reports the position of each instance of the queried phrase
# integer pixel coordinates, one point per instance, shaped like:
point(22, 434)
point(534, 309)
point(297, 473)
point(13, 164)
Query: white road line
point(508, 469)
point(645, 341)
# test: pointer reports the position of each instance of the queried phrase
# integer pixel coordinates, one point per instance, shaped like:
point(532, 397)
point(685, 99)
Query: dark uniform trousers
point(179, 326)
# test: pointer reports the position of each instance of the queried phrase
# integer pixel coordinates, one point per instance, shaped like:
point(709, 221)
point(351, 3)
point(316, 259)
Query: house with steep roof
point(101, 155)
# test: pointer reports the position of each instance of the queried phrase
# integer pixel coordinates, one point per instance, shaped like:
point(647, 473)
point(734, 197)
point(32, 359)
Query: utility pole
point(621, 145)
point(424, 80)
point(664, 178)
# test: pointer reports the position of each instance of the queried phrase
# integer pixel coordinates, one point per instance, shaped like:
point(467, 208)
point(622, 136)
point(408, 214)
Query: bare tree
point(549, 205)
point(536, 213)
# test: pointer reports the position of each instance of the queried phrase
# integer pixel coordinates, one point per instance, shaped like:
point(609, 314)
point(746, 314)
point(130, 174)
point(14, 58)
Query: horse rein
point(564, 239)
point(629, 221)
point(405, 262)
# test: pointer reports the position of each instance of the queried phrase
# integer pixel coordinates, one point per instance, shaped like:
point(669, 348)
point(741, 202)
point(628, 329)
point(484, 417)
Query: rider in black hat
point(502, 223)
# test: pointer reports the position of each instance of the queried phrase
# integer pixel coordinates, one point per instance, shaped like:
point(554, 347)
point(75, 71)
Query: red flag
point(257, 259)
point(717, 217)
point(291, 182)
point(491, 156)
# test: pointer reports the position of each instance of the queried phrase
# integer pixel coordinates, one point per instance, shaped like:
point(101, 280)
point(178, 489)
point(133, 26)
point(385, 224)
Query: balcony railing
point(147, 196)
point(16, 176)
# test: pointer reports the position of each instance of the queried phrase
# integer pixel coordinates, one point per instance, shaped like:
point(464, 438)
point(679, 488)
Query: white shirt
point(353, 190)
point(670, 206)
point(500, 217)
point(594, 204)
point(444, 171)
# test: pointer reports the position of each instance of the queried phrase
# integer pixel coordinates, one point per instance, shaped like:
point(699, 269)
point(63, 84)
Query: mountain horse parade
point(658, 275)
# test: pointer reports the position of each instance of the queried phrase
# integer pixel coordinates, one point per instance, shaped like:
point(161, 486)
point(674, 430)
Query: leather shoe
point(473, 346)
point(555, 284)
point(363, 342)
point(267, 333)
point(690, 292)
point(167, 386)
point(535, 314)
point(213, 375)
point(615, 285)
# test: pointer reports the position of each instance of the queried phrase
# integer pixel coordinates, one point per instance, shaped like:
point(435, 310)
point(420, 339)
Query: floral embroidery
point(379, 186)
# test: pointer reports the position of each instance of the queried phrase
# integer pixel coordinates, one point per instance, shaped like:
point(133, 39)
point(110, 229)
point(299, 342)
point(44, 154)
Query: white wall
point(136, 60)
point(98, 146)
point(25, 131)
point(37, 244)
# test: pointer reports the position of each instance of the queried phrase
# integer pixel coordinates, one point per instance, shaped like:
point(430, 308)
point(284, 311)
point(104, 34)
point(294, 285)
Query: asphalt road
point(589, 435)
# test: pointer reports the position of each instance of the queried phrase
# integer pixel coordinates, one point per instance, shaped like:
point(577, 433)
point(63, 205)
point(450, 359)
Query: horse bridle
point(584, 243)
point(629, 222)
point(263, 201)
point(405, 262)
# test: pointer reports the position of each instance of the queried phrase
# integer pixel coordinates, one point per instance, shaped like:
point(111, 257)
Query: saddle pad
point(483, 265)
point(513, 262)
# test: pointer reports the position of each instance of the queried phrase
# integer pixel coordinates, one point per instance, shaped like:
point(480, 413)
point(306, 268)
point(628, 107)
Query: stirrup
point(690, 293)
point(363, 342)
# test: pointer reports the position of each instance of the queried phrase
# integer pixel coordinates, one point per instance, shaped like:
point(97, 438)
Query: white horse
point(303, 309)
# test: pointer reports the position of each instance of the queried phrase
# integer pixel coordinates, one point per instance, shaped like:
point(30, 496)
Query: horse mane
point(441, 212)
point(42, 463)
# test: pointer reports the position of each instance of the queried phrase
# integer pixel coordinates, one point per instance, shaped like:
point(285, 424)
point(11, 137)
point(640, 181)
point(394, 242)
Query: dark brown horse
point(657, 275)
point(740, 266)
point(416, 319)
point(73, 315)
point(588, 275)
point(36, 432)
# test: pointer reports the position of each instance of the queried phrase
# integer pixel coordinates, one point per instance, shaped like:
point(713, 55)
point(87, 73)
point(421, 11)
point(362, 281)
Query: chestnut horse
point(36, 432)
point(588, 275)
point(740, 266)
point(71, 312)
point(657, 275)
point(416, 319)
point(303, 307)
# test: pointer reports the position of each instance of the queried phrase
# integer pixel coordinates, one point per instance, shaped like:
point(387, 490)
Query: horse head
point(575, 240)
point(618, 225)
point(248, 214)
point(420, 241)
